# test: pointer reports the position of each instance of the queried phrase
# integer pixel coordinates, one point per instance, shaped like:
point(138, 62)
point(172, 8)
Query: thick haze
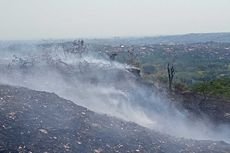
point(36, 19)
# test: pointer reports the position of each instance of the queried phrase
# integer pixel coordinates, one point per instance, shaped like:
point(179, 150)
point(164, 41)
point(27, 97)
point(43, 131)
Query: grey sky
point(35, 19)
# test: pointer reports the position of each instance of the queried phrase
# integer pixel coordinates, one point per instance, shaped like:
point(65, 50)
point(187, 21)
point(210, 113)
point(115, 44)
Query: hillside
point(33, 121)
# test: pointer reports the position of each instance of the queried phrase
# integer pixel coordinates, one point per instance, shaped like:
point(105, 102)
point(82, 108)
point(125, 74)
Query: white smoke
point(109, 88)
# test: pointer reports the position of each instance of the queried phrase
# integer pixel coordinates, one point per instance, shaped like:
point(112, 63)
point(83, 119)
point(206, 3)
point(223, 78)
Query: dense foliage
point(198, 65)
point(218, 87)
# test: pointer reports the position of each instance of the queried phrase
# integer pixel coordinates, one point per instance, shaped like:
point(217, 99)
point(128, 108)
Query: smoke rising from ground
point(105, 87)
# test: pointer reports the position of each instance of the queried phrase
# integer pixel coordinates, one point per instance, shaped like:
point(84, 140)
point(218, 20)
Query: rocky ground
point(40, 122)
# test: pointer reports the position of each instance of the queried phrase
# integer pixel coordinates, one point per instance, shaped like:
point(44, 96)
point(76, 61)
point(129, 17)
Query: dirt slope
point(32, 121)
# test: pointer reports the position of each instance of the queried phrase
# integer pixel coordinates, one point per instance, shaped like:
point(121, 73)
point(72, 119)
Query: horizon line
point(114, 37)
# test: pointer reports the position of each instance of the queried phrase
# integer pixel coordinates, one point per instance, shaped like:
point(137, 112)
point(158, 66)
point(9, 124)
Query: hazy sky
point(35, 19)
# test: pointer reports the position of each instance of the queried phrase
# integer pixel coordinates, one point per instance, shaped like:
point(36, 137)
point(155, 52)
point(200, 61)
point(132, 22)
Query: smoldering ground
point(106, 87)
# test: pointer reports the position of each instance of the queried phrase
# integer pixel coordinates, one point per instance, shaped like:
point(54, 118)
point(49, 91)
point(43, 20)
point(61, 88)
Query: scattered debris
point(43, 131)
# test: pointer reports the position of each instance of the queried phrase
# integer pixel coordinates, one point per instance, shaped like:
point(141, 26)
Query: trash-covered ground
point(32, 121)
point(108, 87)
